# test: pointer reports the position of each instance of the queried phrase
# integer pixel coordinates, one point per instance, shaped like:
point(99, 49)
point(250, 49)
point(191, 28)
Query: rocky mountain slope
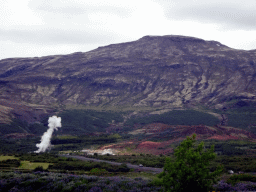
point(154, 72)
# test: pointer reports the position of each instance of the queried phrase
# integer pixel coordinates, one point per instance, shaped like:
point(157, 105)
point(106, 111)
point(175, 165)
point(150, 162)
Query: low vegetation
point(43, 167)
point(79, 122)
point(75, 122)
point(177, 117)
point(55, 182)
point(189, 172)
point(241, 115)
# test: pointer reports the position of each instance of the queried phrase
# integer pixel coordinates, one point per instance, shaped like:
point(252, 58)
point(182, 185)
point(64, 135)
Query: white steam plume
point(53, 123)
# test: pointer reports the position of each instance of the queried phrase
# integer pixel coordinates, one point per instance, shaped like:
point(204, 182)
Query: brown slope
point(154, 72)
point(170, 134)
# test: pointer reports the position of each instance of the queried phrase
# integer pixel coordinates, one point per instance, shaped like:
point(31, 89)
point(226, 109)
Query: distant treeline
point(177, 117)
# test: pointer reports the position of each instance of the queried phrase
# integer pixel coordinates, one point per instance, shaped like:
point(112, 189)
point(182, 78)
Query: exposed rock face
point(155, 71)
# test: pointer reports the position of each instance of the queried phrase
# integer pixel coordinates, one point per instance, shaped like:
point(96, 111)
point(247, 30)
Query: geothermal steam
point(53, 123)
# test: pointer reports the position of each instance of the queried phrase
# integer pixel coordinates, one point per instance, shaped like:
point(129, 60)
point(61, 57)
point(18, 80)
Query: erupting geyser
point(53, 123)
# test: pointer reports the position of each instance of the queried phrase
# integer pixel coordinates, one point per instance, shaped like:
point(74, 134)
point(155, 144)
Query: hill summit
point(154, 72)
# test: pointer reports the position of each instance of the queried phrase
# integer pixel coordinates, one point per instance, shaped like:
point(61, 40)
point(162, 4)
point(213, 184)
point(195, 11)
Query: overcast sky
point(34, 28)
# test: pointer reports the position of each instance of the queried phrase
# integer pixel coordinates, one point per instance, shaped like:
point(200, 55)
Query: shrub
point(189, 172)
point(39, 168)
point(242, 177)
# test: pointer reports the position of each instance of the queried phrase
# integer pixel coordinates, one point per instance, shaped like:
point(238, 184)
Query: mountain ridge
point(154, 72)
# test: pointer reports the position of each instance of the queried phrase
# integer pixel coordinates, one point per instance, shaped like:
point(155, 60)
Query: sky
point(35, 28)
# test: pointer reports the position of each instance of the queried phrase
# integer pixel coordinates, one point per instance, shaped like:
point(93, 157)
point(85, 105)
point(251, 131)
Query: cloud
point(77, 7)
point(229, 15)
point(55, 36)
point(51, 26)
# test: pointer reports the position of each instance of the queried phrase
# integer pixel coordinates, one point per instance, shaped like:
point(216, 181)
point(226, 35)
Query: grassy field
point(26, 164)
point(2, 157)
point(29, 165)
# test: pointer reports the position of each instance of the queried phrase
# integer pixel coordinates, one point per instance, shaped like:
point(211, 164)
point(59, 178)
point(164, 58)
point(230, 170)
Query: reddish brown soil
point(170, 134)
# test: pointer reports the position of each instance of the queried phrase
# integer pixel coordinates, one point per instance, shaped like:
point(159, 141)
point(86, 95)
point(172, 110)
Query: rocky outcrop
point(154, 72)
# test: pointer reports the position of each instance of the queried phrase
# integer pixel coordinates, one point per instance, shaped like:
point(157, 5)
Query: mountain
point(152, 73)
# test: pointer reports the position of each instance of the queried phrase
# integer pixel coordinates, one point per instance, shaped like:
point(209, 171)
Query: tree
point(189, 171)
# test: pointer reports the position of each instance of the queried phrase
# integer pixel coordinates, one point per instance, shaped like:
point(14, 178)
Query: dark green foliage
point(19, 126)
point(10, 163)
point(189, 172)
point(86, 121)
point(147, 161)
point(16, 126)
point(242, 120)
point(229, 149)
point(39, 168)
point(87, 166)
point(177, 117)
point(37, 129)
point(242, 115)
point(75, 122)
point(62, 163)
point(13, 146)
point(242, 177)
point(243, 163)
point(42, 157)
point(123, 168)
point(79, 142)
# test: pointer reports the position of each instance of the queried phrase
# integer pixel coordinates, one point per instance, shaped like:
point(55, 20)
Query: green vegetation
point(79, 122)
point(15, 146)
point(74, 122)
point(189, 172)
point(29, 165)
point(16, 126)
point(6, 157)
point(80, 142)
point(19, 126)
point(51, 161)
point(177, 117)
point(226, 148)
point(241, 177)
point(241, 115)
point(145, 160)
point(10, 163)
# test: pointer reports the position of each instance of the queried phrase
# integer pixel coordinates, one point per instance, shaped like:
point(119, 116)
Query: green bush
point(242, 177)
point(189, 171)
point(98, 171)
point(39, 168)
point(10, 163)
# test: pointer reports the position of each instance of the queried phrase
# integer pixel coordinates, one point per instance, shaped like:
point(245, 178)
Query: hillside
point(150, 74)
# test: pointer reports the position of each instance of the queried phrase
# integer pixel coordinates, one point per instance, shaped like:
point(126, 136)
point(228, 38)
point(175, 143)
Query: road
point(135, 167)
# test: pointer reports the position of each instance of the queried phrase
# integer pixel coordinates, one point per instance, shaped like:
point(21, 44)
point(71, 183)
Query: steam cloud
point(53, 123)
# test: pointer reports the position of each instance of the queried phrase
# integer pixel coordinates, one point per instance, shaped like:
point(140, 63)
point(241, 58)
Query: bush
point(242, 177)
point(10, 163)
point(39, 168)
point(189, 171)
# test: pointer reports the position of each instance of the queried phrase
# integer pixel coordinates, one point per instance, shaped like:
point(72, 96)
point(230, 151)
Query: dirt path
point(135, 167)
